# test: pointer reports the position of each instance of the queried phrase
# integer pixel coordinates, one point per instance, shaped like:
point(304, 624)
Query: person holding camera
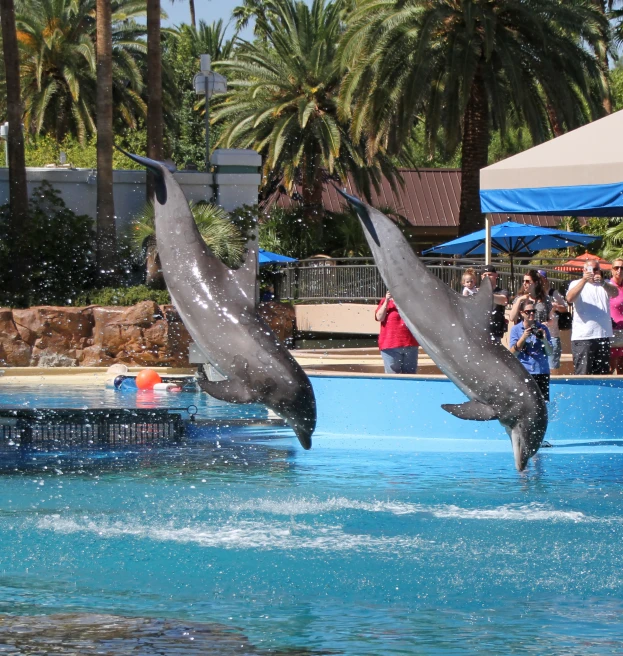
point(530, 341)
point(591, 329)
point(399, 349)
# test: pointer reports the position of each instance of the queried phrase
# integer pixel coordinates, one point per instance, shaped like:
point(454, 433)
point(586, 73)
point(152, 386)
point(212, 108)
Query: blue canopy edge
point(583, 200)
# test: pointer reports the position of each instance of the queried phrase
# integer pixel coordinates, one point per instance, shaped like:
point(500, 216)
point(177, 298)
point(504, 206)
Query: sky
point(207, 10)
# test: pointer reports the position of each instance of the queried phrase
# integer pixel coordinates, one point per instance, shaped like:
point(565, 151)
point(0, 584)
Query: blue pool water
point(363, 545)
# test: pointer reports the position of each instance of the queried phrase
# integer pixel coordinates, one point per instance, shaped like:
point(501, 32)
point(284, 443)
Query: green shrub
point(123, 296)
point(46, 150)
point(60, 245)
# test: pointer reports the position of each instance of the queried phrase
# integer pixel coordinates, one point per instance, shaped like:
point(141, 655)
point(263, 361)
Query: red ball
point(147, 378)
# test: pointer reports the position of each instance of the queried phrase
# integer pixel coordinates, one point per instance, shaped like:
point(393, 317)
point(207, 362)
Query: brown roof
point(428, 198)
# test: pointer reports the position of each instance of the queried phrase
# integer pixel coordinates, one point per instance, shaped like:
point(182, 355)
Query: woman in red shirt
point(399, 349)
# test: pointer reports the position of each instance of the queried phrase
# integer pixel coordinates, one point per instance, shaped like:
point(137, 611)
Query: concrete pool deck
point(315, 361)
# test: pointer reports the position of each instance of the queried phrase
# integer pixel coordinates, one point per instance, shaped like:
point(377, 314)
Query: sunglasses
point(528, 280)
point(617, 268)
point(529, 311)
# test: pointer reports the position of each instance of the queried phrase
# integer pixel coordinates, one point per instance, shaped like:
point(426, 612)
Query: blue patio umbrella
point(266, 257)
point(512, 239)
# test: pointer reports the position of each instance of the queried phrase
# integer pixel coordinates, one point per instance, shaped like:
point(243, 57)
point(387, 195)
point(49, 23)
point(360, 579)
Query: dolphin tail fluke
point(474, 410)
point(157, 168)
point(362, 211)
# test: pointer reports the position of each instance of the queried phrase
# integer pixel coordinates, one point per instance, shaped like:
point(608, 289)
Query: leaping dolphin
point(454, 331)
point(221, 317)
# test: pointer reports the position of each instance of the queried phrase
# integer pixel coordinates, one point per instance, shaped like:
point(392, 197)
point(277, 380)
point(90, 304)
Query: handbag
point(565, 320)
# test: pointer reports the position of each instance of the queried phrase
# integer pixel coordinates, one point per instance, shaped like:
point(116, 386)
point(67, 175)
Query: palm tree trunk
point(18, 190)
point(601, 53)
point(106, 230)
point(554, 123)
point(154, 89)
point(193, 18)
point(474, 153)
point(311, 184)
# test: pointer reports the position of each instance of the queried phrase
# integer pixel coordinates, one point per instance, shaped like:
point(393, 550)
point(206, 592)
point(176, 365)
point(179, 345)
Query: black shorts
point(542, 380)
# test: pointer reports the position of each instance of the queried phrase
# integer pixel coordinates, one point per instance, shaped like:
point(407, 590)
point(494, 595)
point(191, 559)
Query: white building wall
point(78, 187)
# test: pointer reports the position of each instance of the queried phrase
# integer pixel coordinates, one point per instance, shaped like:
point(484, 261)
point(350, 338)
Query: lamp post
point(208, 82)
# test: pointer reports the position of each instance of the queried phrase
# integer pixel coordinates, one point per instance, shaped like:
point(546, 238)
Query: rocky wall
point(144, 334)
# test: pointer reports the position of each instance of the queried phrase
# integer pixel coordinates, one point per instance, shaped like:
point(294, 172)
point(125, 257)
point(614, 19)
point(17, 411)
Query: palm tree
point(210, 39)
point(284, 102)
point(461, 66)
point(106, 230)
point(18, 192)
point(57, 41)
point(257, 10)
point(191, 7)
point(155, 141)
point(215, 226)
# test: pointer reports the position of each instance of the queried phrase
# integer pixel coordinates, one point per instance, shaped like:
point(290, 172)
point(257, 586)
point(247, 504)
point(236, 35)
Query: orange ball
point(147, 378)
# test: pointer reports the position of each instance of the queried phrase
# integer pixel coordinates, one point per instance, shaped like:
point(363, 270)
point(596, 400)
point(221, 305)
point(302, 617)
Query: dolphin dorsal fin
point(477, 308)
point(246, 275)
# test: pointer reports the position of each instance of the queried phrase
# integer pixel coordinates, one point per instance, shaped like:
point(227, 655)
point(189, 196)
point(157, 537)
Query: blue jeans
point(554, 358)
point(400, 360)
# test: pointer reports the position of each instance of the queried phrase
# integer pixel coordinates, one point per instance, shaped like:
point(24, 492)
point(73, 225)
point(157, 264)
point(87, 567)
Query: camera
point(538, 332)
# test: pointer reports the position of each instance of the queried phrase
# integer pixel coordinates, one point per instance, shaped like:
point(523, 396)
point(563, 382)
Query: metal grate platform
point(53, 429)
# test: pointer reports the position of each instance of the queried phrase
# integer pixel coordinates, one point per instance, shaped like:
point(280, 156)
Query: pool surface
point(240, 542)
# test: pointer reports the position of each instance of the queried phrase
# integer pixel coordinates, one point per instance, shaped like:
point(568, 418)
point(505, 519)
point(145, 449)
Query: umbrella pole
point(512, 275)
point(487, 239)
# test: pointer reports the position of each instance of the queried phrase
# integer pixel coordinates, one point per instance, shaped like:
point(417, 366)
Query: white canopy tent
point(579, 173)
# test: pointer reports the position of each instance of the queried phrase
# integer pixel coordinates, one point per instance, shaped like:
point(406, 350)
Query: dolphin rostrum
point(219, 313)
point(454, 331)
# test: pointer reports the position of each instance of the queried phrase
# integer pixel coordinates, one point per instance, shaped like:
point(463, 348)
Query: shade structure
point(577, 263)
point(512, 238)
point(266, 257)
point(577, 174)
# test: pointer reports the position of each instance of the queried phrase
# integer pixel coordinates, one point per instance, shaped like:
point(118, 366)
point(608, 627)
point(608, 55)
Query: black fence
point(62, 429)
point(358, 280)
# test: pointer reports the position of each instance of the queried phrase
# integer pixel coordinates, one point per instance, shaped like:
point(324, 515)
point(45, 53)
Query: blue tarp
point(581, 200)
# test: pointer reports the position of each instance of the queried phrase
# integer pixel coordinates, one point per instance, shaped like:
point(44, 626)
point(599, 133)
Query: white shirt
point(591, 313)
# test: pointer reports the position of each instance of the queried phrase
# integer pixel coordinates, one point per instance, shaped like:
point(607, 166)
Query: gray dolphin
point(221, 317)
point(454, 331)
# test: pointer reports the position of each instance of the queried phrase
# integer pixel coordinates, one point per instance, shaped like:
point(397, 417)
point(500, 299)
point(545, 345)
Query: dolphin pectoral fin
point(231, 391)
point(474, 410)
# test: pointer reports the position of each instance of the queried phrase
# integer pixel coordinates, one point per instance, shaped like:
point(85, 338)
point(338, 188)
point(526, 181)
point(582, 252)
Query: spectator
point(399, 349)
point(268, 294)
point(558, 305)
point(468, 280)
point(530, 342)
point(592, 326)
point(534, 290)
point(616, 312)
point(497, 327)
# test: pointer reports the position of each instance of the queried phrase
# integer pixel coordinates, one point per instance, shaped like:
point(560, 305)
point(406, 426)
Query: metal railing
point(358, 279)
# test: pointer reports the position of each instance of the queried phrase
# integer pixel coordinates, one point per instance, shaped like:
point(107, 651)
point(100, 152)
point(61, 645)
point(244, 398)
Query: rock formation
point(144, 334)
